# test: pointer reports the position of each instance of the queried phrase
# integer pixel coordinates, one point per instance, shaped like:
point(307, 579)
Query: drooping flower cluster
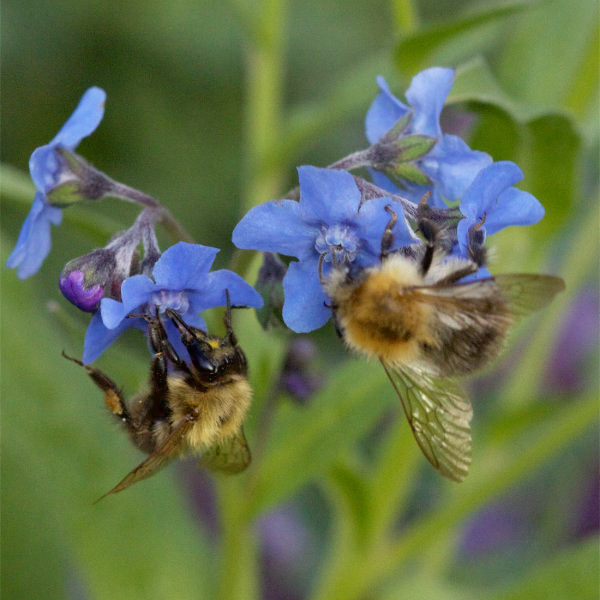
point(115, 283)
point(342, 218)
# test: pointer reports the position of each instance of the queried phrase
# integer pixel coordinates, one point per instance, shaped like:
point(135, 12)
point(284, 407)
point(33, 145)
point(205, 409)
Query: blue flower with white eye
point(46, 168)
point(492, 204)
point(181, 280)
point(450, 165)
point(329, 223)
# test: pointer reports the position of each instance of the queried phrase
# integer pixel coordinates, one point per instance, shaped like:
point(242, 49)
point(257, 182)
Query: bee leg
point(387, 239)
point(159, 340)
point(112, 394)
point(430, 233)
point(475, 243)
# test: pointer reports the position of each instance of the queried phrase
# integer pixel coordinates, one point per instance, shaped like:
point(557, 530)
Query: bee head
point(212, 357)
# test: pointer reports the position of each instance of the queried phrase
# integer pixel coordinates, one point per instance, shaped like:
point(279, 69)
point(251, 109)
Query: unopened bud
point(270, 286)
point(87, 279)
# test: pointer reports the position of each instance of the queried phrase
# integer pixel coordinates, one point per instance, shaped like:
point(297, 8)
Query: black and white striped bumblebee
point(194, 406)
point(428, 328)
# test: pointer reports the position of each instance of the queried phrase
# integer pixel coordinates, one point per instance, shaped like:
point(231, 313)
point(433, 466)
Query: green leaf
point(570, 573)
point(544, 142)
point(410, 173)
point(305, 441)
point(455, 41)
point(414, 146)
point(564, 68)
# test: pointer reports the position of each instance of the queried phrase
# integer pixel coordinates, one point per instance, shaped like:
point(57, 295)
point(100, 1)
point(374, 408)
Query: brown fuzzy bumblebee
point(426, 327)
point(198, 407)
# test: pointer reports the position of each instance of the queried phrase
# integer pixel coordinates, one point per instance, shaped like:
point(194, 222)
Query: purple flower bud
point(73, 289)
point(87, 279)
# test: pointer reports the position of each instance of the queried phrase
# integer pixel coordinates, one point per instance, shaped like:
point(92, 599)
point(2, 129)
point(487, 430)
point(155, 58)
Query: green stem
point(405, 16)
point(264, 75)
point(238, 573)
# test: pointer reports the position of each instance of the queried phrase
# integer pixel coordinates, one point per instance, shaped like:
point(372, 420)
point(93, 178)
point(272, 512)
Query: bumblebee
point(194, 406)
point(413, 313)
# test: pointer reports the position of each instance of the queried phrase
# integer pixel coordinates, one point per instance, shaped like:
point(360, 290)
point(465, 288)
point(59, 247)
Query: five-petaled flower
point(46, 167)
point(450, 165)
point(329, 223)
point(492, 204)
point(181, 280)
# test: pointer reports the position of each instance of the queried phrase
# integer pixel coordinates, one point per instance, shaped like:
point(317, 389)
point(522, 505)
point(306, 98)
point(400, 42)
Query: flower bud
point(87, 279)
point(269, 286)
point(299, 377)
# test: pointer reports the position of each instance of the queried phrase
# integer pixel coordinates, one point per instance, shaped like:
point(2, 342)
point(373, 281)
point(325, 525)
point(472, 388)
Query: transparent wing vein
point(439, 414)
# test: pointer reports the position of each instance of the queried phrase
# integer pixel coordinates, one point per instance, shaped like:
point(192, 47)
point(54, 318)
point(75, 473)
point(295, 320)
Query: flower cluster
point(114, 283)
point(336, 219)
point(341, 218)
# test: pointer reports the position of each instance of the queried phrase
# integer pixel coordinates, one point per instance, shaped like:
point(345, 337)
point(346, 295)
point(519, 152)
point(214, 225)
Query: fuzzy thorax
point(221, 410)
point(379, 312)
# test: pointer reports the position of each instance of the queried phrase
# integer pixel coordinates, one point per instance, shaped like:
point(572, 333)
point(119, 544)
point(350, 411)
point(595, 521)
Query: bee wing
point(158, 459)
point(232, 455)
point(528, 293)
point(439, 414)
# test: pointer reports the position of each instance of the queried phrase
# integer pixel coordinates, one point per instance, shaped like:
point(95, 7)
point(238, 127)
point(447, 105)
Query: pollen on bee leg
point(113, 402)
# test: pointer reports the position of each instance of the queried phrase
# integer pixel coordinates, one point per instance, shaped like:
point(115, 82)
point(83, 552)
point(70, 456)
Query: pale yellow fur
point(221, 410)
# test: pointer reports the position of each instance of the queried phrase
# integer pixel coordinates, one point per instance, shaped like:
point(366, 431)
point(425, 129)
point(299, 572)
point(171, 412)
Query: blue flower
point(492, 199)
point(451, 165)
point(46, 168)
point(329, 221)
point(180, 280)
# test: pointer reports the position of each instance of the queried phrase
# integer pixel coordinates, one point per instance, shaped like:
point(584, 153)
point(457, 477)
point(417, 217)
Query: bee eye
point(200, 359)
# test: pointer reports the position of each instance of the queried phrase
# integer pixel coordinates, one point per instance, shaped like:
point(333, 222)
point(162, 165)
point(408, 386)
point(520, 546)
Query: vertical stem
point(405, 14)
point(264, 75)
point(239, 577)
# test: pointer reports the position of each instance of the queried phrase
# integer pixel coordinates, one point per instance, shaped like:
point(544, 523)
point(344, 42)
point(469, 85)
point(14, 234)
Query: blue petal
point(84, 120)
point(453, 166)
point(98, 337)
point(112, 312)
point(304, 307)
point(327, 195)
point(482, 195)
point(385, 110)
point(426, 95)
point(184, 266)
point(462, 234)
point(372, 221)
point(44, 166)
point(34, 241)
point(135, 292)
point(275, 226)
point(241, 293)
point(515, 207)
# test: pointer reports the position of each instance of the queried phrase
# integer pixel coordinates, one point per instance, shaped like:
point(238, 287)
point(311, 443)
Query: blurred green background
point(211, 106)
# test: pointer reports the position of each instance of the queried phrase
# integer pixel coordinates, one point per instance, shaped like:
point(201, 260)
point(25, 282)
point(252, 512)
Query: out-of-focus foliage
point(210, 108)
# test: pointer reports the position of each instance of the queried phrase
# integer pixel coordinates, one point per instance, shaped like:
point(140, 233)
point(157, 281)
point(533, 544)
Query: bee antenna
point(227, 319)
point(479, 225)
point(321, 261)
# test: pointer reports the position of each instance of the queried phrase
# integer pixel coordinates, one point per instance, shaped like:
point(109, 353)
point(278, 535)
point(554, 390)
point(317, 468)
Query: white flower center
point(175, 299)
point(339, 243)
